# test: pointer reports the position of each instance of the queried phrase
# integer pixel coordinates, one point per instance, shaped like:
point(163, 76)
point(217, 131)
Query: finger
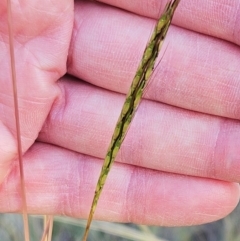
point(196, 72)
point(62, 182)
point(216, 18)
point(40, 56)
point(161, 137)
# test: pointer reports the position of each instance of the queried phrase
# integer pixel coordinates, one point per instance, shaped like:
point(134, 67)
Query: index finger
point(216, 18)
point(197, 72)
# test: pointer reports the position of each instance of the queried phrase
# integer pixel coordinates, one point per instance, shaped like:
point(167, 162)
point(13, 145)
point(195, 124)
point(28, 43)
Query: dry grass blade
point(116, 229)
point(18, 129)
point(48, 227)
point(47, 233)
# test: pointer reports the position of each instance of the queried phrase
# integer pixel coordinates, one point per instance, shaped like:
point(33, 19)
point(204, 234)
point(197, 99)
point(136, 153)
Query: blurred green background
point(68, 229)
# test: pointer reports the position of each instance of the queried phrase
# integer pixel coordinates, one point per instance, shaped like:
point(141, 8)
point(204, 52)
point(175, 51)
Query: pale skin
point(183, 132)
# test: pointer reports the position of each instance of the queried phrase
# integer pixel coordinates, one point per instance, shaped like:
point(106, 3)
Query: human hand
point(41, 42)
point(179, 161)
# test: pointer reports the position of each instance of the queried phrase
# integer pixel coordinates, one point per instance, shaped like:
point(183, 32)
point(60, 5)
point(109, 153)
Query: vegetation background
point(68, 229)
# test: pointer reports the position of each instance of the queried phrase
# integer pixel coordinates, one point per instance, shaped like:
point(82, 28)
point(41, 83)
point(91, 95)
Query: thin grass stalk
point(48, 224)
point(50, 217)
point(47, 236)
point(17, 120)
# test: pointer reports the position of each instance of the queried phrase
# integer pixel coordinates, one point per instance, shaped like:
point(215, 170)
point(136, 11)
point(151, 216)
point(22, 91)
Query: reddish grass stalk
point(17, 120)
